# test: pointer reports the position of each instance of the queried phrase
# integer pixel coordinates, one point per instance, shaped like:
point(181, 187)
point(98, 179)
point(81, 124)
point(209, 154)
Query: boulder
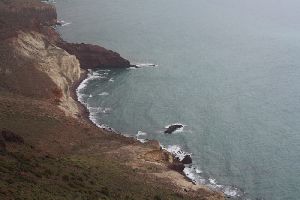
point(187, 159)
point(173, 128)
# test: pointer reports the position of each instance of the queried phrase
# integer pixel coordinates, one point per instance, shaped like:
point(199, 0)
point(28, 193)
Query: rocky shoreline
point(39, 75)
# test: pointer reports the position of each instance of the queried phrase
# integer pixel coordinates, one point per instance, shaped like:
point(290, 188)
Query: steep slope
point(46, 150)
point(33, 67)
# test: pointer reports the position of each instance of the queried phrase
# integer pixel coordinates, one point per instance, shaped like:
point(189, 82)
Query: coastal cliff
point(33, 67)
point(94, 56)
point(48, 149)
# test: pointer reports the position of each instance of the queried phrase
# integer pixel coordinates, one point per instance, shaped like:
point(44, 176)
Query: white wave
point(189, 173)
point(93, 118)
point(229, 191)
point(82, 85)
point(90, 76)
point(62, 23)
point(66, 24)
point(106, 110)
point(49, 1)
point(111, 80)
point(95, 73)
point(142, 140)
point(103, 70)
point(176, 151)
point(95, 110)
point(141, 133)
point(139, 65)
point(194, 174)
point(131, 68)
point(212, 181)
point(103, 94)
point(198, 171)
point(232, 192)
point(79, 90)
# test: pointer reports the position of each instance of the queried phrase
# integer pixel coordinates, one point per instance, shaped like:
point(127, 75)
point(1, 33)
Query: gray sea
point(228, 70)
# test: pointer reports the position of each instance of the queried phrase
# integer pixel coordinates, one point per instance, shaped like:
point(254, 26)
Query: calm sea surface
point(229, 70)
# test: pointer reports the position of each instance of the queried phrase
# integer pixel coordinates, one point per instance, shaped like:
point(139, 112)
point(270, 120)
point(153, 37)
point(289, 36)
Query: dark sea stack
point(187, 159)
point(93, 56)
point(173, 128)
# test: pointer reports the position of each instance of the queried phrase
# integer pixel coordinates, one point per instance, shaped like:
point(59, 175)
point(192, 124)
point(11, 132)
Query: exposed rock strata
point(34, 67)
point(33, 62)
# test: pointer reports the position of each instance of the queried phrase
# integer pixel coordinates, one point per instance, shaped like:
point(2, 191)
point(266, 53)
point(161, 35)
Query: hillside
point(48, 148)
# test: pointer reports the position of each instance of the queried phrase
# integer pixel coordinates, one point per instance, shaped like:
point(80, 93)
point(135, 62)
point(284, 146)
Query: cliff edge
point(47, 151)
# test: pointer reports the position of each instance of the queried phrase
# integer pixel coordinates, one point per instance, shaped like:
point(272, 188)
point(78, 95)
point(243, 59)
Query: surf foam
point(103, 94)
point(196, 175)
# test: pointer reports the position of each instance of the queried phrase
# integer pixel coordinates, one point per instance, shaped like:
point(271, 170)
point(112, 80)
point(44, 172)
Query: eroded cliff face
point(34, 67)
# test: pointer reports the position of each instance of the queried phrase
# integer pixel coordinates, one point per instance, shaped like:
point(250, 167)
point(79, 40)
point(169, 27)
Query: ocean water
point(229, 70)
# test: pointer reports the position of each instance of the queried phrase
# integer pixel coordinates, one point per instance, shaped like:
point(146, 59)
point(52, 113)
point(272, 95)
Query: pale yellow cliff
point(43, 60)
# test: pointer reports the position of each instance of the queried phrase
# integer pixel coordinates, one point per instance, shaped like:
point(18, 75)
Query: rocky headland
point(48, 147)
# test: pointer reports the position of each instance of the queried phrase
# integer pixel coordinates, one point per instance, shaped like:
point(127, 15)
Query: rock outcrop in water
point(172, 128)
point(187, 159)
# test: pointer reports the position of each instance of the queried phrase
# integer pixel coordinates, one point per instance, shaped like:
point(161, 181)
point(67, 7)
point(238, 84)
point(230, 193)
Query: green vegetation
point(27, 175)
point(49, 166)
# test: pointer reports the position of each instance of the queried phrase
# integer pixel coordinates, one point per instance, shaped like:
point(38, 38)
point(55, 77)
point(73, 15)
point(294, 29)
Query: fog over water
point(229, 70)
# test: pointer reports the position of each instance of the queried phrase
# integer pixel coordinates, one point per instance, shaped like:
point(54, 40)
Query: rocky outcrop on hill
point(94, 56)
